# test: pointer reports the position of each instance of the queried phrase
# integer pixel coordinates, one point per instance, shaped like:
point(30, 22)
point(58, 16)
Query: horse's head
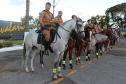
point(80, 27)
point(73, 34)
point(88, 32)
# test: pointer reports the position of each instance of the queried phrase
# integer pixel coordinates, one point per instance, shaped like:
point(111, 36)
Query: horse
point(69, 49)
point(95, 41)
point(31, 47)
point(75, 42)
point(112, 37)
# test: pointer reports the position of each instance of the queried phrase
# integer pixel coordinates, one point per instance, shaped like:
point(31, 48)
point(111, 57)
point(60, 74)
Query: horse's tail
point(24, 52)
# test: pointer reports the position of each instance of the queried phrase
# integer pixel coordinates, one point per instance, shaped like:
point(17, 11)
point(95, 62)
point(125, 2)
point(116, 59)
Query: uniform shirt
point(98, 29)
point(58, 20)
point(45, 17)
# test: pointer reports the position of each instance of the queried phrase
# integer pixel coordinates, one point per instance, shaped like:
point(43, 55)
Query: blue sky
point(13, 10)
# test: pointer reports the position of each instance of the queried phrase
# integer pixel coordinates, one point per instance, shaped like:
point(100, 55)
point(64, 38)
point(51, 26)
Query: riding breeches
point(46, 34)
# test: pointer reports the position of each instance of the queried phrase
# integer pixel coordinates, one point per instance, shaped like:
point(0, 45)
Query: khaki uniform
point(58, 20)
point(45, 19)
point(98, 29)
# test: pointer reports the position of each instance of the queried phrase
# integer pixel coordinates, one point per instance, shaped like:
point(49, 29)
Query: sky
point(13, 10)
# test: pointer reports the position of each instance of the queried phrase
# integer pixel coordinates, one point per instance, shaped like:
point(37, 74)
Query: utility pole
point(27, 14)
point(53, 7)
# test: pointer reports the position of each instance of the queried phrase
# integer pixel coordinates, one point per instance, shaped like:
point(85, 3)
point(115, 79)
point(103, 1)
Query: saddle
point(53, 32)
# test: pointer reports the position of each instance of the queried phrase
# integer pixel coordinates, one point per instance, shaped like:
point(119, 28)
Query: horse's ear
point(83, 21)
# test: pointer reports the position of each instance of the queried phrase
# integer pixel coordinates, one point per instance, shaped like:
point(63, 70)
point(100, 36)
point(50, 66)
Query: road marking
point(71, 72)
point(58, 81)
point(74, 71)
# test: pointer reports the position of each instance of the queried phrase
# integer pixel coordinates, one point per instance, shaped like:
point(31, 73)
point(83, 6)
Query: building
point(13, 34)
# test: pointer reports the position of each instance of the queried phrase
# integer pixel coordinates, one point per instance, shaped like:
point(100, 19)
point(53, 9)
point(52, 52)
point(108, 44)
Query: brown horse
point(111, 37)
point(75, 42)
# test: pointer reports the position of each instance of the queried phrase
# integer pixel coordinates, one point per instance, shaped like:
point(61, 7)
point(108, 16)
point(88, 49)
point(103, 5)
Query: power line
point(57, 2)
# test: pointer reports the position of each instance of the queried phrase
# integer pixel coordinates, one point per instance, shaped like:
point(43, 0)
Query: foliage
point(9, 43)
point(116, 8)
point(118, 14)
point(103, 20)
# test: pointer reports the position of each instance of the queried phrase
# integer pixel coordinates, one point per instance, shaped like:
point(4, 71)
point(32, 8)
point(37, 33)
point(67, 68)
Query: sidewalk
point(17, 47)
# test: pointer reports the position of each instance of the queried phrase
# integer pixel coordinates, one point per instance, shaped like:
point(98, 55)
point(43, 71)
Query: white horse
point(95, 43)
point(58, 45)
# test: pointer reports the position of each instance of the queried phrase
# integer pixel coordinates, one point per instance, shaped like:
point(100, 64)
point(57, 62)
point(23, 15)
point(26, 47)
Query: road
point(108, 69)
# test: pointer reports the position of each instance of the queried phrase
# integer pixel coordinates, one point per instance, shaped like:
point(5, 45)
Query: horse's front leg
point(70, 59)
point(64, 59)
point(88, 58)
point(97, 47)
point(57, 67)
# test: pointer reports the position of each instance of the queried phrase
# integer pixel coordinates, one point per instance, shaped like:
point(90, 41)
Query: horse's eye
point(79, 25)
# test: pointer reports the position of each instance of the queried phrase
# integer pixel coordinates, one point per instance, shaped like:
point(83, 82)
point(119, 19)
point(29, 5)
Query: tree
point(29, 18)
point(116, 12)
point(36, 22)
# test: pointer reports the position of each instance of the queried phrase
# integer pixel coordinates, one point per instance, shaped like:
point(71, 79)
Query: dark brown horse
point(75, 42)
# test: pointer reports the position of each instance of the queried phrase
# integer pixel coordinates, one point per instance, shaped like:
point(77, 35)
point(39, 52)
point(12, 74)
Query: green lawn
point(8, 43)
point(15, 42)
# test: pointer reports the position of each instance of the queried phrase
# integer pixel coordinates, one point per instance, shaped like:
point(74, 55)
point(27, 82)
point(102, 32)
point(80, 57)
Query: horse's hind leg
point(97, 50)
point(26, 61)
point(88, 58)
point(41, 58)
point(32, 59)
point(101, 49)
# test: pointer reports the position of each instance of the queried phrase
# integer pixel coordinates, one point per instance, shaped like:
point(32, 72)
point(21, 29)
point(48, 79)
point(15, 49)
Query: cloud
point(16, 2)
point(11, 12)
point(15, 9)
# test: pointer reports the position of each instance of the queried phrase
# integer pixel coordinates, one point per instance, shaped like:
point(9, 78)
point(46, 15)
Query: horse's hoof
point(32, 69)
point(71, 66)
point(100, 54)
point(27, 70)
point(55, 77)
point(97, 56)
point(79, 61)
point(76, 62)
point(42, 65)
point(64, 66)
point(60, 75)
point(89, 59)
point(86, 58)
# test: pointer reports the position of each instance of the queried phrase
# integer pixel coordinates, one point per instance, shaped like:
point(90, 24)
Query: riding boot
point(46, 45)
point(50, 48)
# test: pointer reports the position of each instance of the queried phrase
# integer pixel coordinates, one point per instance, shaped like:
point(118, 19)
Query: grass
point(9, 43)
point(15, 42)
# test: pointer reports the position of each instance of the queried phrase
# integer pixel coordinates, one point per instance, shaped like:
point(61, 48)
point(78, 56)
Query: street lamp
point(53, 7)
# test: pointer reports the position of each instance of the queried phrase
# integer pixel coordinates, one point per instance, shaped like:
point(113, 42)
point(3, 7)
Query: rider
point(74, 17)
point(45, 19)
point(97, 28)
point(58, 19)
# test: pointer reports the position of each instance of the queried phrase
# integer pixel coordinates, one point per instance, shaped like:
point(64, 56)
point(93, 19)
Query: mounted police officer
point(45, 19)
point(58, 19)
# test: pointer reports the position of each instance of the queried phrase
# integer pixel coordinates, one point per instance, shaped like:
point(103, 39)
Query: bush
point(7, 44)
point(1, 45)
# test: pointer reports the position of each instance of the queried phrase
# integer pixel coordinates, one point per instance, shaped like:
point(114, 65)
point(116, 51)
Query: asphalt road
point(109, 69)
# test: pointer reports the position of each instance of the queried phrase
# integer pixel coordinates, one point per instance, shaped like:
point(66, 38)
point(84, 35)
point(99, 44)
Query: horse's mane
point(66, 22)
